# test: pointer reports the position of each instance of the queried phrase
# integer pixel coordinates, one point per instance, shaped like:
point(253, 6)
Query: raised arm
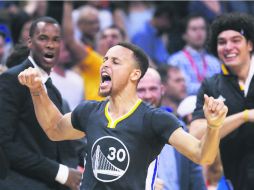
point(77, 48)
point(205, 150)
point(55, 125)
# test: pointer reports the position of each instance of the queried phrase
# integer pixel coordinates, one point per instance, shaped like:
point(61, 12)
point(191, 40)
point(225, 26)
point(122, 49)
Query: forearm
point(68, 32)
point(76, 48)
point(46, 112)
point(192, 148)
point(209, 146)
point(231, 123)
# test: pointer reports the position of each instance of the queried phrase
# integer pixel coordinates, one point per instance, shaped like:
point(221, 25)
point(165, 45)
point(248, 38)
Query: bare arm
point(205, 150)
point(77, 48)
point(231, 123)
point(55, 125)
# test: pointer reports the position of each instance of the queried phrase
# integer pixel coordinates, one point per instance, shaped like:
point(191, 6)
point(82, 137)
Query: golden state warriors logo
point(110, 159)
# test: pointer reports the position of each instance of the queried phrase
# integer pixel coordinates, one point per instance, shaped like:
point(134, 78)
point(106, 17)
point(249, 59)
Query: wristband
point(246, 115)
point(212, 127)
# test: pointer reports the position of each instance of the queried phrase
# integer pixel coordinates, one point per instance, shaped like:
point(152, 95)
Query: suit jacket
point(3, 164)
point(34, 159)
point(189, 174)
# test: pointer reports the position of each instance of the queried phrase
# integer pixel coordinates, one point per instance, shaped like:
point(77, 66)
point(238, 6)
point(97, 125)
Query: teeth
point(230, 55)
point(48, 59)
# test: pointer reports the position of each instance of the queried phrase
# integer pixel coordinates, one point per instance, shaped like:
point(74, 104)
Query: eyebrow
point(113, 58)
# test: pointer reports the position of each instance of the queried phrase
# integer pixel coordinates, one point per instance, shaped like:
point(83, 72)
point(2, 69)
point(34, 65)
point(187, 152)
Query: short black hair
point(163, 9)
point(186, 20)
point(45, 19)
point(163, 71)
point(241, 22)
point(139, 55)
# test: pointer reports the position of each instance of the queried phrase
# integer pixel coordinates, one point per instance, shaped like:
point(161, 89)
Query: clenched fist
point(31, 78)
point(74, 179)
point(215, 111)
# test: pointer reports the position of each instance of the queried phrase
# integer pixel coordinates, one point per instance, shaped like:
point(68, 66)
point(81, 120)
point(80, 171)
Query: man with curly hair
point(232, 39)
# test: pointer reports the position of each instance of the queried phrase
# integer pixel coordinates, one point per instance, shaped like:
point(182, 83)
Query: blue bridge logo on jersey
point(110, 159)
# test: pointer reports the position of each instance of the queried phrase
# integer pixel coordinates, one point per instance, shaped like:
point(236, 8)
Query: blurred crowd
point(173, 34)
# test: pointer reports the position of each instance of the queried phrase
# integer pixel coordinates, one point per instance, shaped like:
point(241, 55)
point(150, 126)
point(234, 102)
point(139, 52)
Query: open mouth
point(49, 56)
point(105, 78)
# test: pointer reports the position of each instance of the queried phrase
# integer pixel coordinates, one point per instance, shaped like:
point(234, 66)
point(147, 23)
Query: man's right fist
point(31, 78)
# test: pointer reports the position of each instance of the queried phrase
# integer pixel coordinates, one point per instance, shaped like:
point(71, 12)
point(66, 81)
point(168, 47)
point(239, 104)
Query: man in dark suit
point(35, 161)
point(170, 170)
point(3, 164)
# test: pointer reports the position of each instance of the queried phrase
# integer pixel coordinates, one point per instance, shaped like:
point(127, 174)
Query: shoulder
point(11, 75)
point(176, 57)
point(212, 57)
point(90, 105)
point(213, 62)
point(177, 54)
point(214, 79)
point(18, 68)
point(157, 113)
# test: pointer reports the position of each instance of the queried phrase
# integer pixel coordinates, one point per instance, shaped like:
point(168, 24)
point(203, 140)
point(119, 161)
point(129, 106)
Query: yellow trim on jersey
point(241, 87)
point(224, 69)
point(111, 123)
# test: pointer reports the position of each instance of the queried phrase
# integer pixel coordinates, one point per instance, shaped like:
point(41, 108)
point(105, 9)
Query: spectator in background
point(175, 86)
point(88, 24)
point(2, 52)
point(109, 37)
point(69, 83)
point(89, 61)
point(24, 33)
point(178, 172)
point(2, 47)
point(186, 108)
point(150, 37)
point(208, 9)
point(105, 14)
point(19, 53)
point(232, 40)
point(194, 61)
point(143, 10)
point(25, 11)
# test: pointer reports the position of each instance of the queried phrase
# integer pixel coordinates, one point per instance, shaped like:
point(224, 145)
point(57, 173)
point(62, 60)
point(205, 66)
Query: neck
point(197, 48)
point(121, 104)
point(242, 70)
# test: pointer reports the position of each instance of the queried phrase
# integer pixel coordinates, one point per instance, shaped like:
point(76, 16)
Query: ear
point(184, 37)
point(250, 46)
point(135, 75)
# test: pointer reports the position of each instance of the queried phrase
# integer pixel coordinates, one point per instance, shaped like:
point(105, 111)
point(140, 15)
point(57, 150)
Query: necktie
point(53, 93)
